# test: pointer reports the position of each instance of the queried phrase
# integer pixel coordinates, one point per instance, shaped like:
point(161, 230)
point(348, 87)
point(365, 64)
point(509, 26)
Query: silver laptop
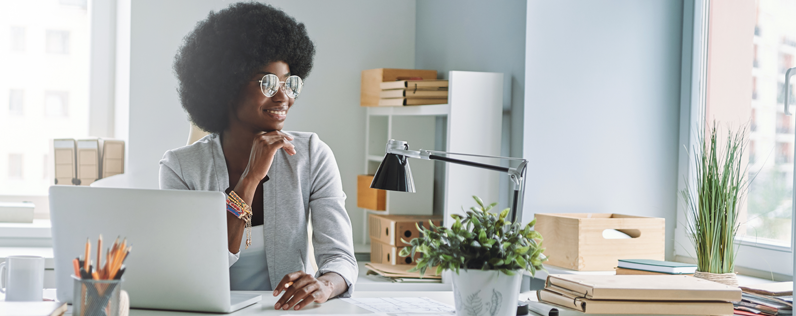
point(179, 258)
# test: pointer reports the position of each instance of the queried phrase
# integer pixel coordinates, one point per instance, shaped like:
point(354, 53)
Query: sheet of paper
point(402, 305)
point(376, 314)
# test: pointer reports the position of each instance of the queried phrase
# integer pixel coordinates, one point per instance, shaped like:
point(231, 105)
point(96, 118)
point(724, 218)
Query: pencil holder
point(96, 297)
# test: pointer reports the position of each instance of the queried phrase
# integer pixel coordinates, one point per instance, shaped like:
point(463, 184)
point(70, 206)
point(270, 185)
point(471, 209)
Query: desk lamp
point(788, 74)
point(394, 174)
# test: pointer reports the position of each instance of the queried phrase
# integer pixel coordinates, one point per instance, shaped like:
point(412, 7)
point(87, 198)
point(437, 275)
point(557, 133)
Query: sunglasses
point(270, 84)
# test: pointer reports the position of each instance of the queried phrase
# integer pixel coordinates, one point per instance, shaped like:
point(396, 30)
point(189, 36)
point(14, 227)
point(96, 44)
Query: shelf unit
point(472, 124)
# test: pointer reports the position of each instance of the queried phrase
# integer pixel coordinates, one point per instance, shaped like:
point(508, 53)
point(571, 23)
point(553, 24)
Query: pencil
point(288, 284)
point(88, 254)
point(99, 254)
point(76, 263)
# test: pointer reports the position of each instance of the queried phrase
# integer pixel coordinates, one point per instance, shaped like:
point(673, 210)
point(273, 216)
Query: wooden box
point(575, 241)
point(372, 199)
point(384, 253)
point(389, 229)
point(371, 91)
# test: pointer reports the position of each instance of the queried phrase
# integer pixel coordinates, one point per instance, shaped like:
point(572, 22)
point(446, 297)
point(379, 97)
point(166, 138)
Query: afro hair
point(218, 58)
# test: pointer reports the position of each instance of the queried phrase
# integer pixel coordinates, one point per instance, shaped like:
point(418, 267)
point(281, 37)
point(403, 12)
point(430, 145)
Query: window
point(15, 166)
point(46, 90)
point(16, 102)
point(56, 103)
point(17, 39)
point(720, 91)
point(57, 42)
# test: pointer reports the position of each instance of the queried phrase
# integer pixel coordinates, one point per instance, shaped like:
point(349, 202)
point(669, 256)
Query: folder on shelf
point(88, 161)
point(112, 157)
point(586, 305)
point(64, 155)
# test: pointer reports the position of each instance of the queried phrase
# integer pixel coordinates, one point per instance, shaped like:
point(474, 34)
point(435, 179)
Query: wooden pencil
point(88, 254)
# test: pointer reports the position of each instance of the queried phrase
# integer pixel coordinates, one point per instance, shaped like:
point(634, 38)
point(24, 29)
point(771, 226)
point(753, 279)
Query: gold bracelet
point(246, 215)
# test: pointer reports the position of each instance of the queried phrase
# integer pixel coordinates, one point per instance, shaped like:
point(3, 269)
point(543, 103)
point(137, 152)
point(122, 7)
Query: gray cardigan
point(307, 183)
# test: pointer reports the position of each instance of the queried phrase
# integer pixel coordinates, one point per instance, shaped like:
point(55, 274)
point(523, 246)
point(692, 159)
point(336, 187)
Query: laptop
point(179, 258)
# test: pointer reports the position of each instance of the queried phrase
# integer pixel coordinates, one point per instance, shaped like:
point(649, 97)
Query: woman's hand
point(264, 146)
point(301, 289)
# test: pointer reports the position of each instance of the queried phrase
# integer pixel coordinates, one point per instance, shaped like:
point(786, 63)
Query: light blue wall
point(484, 36)
point(602, 101)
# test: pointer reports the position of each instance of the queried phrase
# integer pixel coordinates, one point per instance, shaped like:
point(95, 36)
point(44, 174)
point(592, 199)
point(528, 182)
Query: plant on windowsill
point(487, 253)
point(713, 201)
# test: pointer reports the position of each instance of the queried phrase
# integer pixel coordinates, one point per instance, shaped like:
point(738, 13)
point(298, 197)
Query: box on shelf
point(372, 79)
point(384, 253)
point(372, 199)
point(16, 212)
point(575, 241)
point(389, 229)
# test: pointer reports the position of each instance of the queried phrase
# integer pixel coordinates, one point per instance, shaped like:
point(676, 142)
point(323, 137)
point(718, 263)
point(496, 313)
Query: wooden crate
point(389, 229)
point(371, 91)
point(575, 241)
point(372, 199)
point(384, 253)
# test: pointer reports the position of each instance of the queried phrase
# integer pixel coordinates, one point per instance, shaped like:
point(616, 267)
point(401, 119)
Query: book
point(658, 266)
point(411, 94)
point(773, 289)
point(409, 101)
point(669, 307)
point(623, 271)
point(644, 287)
point(755, 308)
point(414, 84)
point(32, 308)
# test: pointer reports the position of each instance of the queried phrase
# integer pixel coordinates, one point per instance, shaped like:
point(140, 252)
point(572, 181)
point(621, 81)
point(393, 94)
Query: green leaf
point(496, 261)
point(478, 200)
point(490, 206)
point(475, 244)
point(404, 252)
point(522, 250)
point(504, 213)
point(532, 223)
point(507, 272)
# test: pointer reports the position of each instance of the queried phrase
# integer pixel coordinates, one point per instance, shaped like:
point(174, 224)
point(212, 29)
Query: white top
point(250, 273)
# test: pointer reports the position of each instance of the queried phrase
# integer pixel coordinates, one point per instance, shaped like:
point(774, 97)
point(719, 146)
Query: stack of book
point(639, 294)
point(646, 266)
point(401, 274)
point(766, 299)
point(413, 92)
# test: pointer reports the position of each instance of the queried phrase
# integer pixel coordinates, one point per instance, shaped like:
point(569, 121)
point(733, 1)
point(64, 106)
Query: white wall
point(349, 36)
point(602, 89)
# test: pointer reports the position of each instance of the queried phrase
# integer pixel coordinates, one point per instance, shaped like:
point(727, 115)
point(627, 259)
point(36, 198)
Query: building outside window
point(17, 37)
point(768, 219)
point(16, 102)
point(15, 166)
point(56, 103)
point(57, 42)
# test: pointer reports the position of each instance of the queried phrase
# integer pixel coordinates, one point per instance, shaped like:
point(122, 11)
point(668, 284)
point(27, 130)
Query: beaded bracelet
point(241, 210)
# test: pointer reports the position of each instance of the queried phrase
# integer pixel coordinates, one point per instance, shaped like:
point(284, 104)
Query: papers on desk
point(403, 305)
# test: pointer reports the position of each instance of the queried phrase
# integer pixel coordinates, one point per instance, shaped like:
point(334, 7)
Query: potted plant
point(713, 201)
point(487, 253)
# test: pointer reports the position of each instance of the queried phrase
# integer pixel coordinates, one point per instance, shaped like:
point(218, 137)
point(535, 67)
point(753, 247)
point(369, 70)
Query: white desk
point(336, 306)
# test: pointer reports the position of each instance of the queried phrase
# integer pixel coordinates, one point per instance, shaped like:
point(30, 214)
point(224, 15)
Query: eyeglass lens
point(270, 84)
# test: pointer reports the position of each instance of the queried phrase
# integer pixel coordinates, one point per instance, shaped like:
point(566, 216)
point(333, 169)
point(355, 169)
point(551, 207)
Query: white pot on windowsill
point(486, 292)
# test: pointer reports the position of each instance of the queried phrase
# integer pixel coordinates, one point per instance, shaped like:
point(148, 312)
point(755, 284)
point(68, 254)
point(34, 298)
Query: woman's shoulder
point(201, 148)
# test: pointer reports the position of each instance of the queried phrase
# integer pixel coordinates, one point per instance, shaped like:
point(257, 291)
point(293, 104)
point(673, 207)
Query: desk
point(335, 306)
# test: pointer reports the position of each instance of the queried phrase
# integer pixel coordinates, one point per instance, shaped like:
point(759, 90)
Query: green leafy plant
point(479, 241)
point(714, 199)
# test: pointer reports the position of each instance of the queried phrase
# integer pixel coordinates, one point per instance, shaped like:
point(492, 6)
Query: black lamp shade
point(394, 175)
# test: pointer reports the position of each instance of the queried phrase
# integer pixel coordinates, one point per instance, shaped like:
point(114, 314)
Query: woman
point(239, 72)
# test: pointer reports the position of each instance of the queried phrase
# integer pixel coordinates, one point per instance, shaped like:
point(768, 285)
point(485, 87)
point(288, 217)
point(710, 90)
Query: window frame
point(753, 258)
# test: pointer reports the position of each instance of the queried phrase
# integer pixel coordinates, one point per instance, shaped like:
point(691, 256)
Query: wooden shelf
point(414, 110)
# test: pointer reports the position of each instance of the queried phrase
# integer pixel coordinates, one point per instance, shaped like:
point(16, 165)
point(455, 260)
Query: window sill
point(40, 228)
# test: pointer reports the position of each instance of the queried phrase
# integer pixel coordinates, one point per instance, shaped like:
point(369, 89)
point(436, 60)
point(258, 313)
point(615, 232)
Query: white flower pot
point(486, 293)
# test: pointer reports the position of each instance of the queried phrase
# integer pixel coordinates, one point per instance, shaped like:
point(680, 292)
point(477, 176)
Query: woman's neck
point(236, 142)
